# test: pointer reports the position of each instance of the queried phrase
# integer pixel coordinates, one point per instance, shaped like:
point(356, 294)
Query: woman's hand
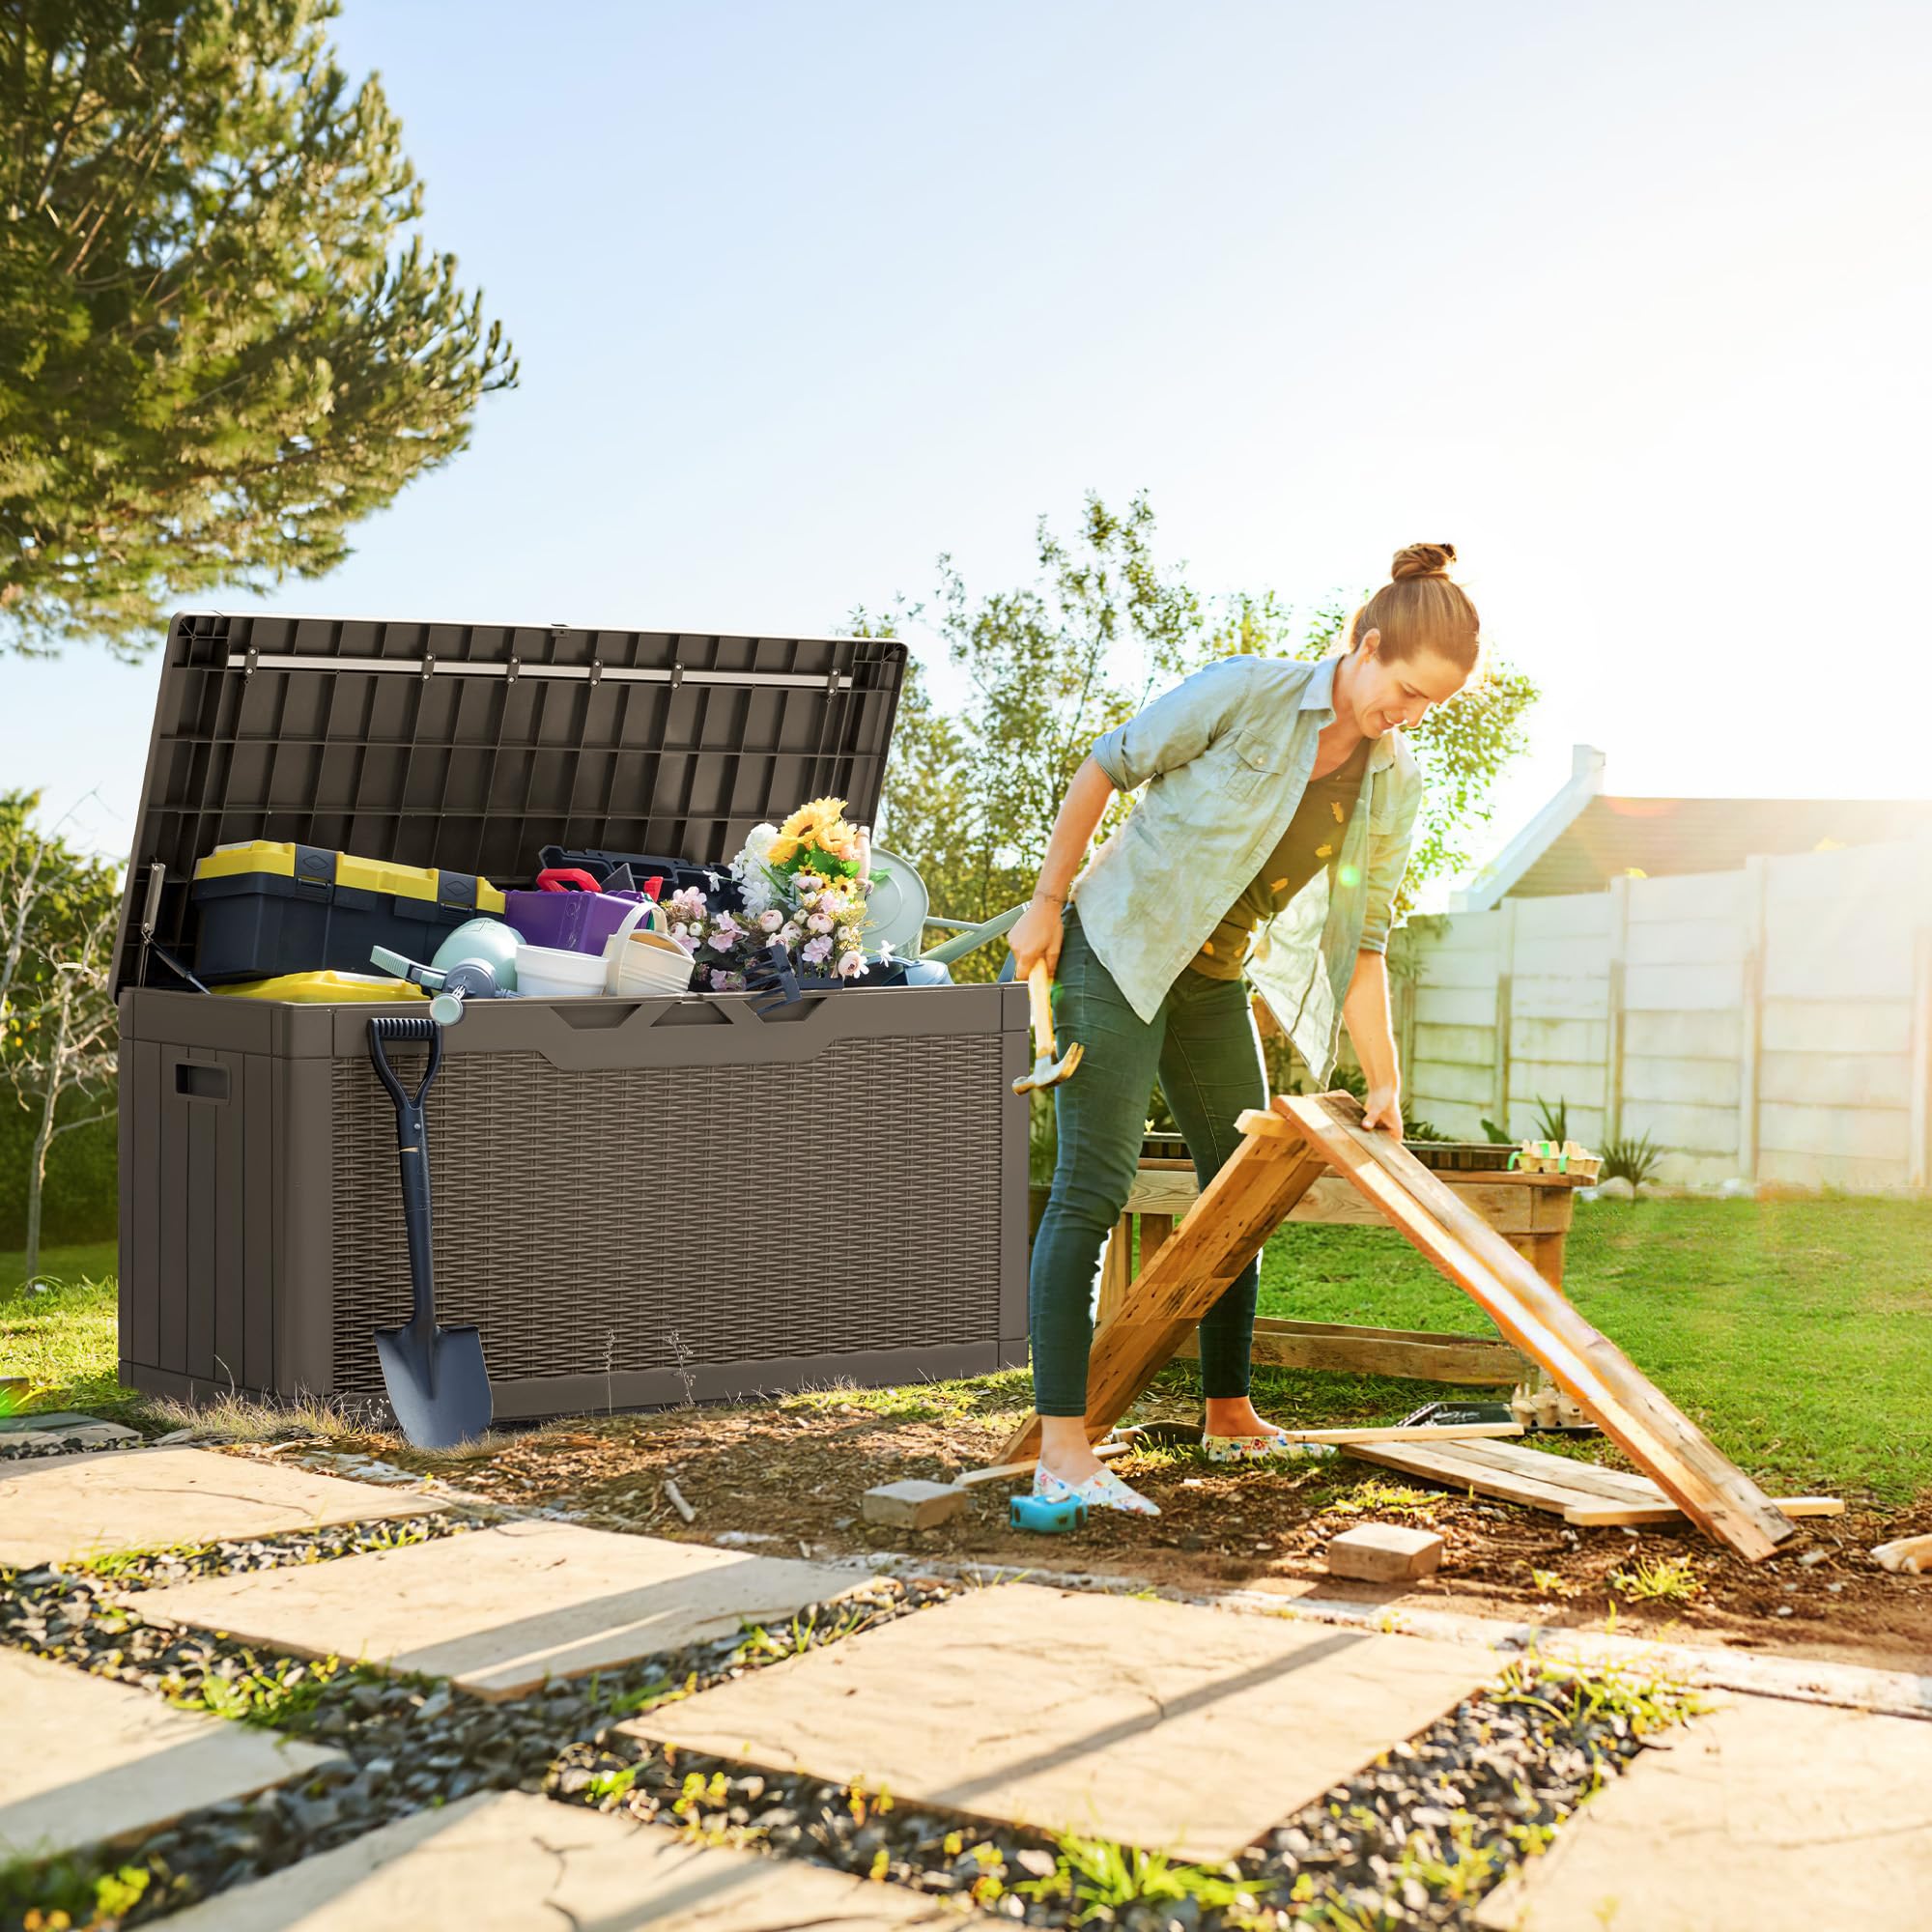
point(1037, 934)
point(1382, 1108)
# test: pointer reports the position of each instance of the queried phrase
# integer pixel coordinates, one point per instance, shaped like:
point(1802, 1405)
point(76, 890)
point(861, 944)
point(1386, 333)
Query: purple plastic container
point(571, 920)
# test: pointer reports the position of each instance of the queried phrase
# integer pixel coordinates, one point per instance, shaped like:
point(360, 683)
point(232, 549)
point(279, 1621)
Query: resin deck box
point(638, 1201)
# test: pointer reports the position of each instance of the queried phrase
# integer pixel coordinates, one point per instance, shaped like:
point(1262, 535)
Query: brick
point(1384, 1552)
point(912, 1504)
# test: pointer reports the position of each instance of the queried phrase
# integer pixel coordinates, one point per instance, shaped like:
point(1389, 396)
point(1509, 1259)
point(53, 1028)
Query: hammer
point(1046, 1071)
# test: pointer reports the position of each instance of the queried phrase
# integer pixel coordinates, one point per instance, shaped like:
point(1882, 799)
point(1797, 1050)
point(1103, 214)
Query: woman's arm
point(1366, 1011)
point(1040, 930)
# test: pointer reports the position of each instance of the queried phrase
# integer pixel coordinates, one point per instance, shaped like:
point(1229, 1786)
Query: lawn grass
point(64, 1342)
point(1799, 1333)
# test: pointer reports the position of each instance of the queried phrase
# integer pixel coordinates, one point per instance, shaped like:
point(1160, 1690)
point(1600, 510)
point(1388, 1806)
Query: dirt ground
point(788, 1478)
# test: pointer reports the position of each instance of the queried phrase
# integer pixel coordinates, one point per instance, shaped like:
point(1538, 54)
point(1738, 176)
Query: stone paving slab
point(1158, 1724)
point(60, 1509)
point(1777, 1816)
point(508, 1862)
point(62, 1431)
point(88, 1761)
point(500, 1610)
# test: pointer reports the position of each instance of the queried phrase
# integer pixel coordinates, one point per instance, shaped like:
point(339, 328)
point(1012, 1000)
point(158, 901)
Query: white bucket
point(642, 965)
point(550, 973)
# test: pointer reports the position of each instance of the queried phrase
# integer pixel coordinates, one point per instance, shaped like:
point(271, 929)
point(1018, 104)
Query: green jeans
point(1202, 1044)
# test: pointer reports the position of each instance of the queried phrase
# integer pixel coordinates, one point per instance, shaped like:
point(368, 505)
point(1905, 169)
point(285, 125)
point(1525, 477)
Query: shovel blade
point(440, 1391)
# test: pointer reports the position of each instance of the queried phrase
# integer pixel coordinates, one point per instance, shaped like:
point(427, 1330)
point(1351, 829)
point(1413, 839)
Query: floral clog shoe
point(1103, 1490)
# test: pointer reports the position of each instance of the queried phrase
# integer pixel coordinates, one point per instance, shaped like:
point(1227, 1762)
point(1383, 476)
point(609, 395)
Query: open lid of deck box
point(467, 747)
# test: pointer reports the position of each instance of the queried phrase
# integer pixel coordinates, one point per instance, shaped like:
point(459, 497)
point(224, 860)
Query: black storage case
point(611, 1177)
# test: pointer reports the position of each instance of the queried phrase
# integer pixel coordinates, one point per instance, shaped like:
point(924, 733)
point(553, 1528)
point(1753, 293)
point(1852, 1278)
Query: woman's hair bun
point(1422, 561)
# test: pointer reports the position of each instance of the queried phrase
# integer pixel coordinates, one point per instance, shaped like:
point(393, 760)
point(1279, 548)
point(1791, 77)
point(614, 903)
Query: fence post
point(1613, 1029)
point(1919, 1161)
point(1505, 971)
point(1750, 1016)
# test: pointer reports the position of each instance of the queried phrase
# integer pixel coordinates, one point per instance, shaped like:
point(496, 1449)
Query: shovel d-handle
point(412, 1153)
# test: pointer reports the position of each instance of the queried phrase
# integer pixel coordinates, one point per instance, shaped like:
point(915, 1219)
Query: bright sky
point(1631, 301)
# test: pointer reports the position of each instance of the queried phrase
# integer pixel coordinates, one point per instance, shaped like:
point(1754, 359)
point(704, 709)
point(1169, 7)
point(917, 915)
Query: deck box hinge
point(596, 670)
point(677, 673)
point(251, 658)
point(428, 668)
point(830, 682)
point(511, 670)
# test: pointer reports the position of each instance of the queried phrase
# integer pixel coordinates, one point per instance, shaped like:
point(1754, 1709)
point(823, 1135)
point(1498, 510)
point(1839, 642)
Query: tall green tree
point(218, 351)
point(58, 1045)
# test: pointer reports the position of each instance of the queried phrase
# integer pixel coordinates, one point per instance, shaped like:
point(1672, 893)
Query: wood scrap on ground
point(1688, 1467)
point(1910, 1555)
point(1581, 1494)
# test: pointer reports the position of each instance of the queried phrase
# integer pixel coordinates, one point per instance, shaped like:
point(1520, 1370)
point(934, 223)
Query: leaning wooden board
point(1687, 1466)
point(1579, 1493)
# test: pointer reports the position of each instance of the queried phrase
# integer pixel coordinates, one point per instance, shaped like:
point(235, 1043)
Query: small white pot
point(550, 973)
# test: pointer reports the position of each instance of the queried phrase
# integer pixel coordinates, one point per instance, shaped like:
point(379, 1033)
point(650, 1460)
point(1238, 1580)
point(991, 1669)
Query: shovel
point(1048, 1070)
point(437, 1383)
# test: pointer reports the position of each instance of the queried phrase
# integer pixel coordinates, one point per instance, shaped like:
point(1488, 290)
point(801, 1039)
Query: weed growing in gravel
point(804, 1634)
point(279, 1694)
point(1578, 1698)
point(112, 1564)
point(1656, 1580)
point(69, 1893)
point(1465, 1871)
point(1098, 1876)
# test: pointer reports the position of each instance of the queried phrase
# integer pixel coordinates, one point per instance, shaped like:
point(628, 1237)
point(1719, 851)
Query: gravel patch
point(411, 1742)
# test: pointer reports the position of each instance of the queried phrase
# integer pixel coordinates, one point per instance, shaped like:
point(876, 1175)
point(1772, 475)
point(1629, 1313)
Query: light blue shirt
point(1225, 757)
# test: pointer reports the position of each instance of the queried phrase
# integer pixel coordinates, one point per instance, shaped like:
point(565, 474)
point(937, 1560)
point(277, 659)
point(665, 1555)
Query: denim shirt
point(1225, 757)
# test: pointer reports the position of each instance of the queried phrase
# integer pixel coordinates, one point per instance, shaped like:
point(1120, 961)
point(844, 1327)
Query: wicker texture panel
point(653, 1218)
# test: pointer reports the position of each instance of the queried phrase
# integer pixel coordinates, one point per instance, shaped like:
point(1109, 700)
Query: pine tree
point(217, 349)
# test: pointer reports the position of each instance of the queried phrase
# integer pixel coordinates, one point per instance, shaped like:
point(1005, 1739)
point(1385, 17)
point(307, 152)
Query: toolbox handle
point(565, 879)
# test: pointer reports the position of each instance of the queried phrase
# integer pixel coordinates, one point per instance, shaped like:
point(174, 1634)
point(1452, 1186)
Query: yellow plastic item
point(369, 876)
point(326, 988)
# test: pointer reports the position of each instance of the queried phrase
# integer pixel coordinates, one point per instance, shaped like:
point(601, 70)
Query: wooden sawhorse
point(1285, 1150)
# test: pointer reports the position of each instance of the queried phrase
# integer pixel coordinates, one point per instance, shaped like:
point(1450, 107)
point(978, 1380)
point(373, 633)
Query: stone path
point(500, 1610)
point(1155, 1724)
point(509, 1862)
point(87, 1761)
point(63, 1430)
point(59, 1509)
point(1774, 1816)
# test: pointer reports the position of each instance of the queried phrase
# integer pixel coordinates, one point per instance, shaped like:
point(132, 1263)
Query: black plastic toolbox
point(261, 1233)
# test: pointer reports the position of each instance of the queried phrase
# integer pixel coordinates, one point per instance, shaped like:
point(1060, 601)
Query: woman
point(1280, 807)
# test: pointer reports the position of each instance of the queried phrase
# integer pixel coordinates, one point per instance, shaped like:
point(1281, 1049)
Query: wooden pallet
point(1688, 1467)
point(1579, 1493)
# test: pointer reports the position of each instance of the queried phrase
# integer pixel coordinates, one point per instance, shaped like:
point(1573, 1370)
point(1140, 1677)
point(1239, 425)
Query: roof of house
point(1584, 838)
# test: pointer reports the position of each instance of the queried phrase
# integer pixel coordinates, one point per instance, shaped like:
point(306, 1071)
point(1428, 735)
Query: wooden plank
point(1437, 1465)
point(1466, 1361)
point(1332, 1203)
point(1636, 1515)
point(1536, 1319)
point(1221, 1234)
point(1001, 1470)
point(1447, 1432)
point(1614, 1485)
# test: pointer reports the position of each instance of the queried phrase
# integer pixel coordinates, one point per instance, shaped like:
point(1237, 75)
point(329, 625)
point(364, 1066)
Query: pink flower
point(818, 949)
point(851, 965)
point(789, 936)
point(719, 980)
point(770, 919)
point(820, 921)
